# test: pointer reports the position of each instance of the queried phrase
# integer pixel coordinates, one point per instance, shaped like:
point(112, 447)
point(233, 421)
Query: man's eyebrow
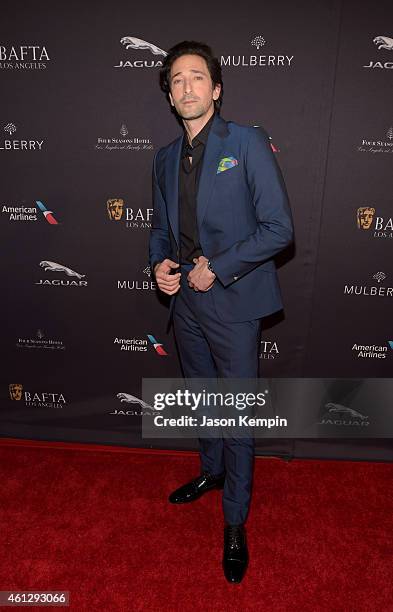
point(192, 70)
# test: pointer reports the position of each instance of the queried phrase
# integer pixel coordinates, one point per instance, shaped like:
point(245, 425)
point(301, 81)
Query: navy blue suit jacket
point(243, 218)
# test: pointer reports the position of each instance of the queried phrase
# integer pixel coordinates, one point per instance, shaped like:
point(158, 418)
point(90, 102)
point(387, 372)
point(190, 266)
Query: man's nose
point(187, 86)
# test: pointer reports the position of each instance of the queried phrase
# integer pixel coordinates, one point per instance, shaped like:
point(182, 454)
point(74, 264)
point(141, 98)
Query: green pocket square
point(226, 163)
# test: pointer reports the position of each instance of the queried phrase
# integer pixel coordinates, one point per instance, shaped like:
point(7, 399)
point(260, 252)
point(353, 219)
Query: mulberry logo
point(257, 61)
point(130, 42)
point(379, 276)
point(138, 285)
point(10, 128)
point(258, 42)
point(14, 144)
point(373, 291)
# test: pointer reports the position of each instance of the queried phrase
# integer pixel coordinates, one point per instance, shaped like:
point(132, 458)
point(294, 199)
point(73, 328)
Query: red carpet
point(97, 523)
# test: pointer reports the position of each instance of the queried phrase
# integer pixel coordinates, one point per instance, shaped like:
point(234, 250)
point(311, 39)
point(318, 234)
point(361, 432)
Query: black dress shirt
point(189, 174)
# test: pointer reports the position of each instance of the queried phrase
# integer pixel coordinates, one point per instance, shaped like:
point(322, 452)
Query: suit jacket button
point(235, 277)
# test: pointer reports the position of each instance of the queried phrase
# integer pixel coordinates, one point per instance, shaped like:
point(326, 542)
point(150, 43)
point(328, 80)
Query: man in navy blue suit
point(220, 214)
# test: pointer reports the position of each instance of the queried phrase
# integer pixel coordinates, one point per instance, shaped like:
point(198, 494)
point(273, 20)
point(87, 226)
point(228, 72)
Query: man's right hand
point(168, 283)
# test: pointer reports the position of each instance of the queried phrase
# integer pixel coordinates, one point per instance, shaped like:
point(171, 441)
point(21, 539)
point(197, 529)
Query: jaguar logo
point(344, 409)
point(51, 266)
point(383, 42)
point(131, 399)
point(130, 42)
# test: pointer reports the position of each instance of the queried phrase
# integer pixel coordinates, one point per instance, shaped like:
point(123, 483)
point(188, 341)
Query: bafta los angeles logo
point(114, 207)
point(16, 391)
point(364, 217)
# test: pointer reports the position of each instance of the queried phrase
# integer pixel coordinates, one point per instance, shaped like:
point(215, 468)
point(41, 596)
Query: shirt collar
point(202, 134)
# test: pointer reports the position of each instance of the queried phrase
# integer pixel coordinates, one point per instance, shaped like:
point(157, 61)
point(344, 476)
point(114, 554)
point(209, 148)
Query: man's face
point(191, 87)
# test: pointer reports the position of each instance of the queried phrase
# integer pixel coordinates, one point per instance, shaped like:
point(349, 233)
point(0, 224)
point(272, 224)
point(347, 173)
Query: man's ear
point(171, 99)
point(216, 91)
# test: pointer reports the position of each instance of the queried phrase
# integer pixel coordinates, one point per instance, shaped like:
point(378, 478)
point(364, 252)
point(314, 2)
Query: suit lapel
point(172, 187)
point(213, 152)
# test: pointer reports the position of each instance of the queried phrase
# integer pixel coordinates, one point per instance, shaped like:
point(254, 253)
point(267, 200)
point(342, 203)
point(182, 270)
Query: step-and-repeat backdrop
point(81, 118)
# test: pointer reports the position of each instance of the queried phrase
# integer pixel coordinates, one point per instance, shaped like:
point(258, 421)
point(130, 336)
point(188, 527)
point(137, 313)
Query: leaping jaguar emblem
point(131, 42)
point(131, 399)
point(52, 266)
point(384, 42)
point(339, 408)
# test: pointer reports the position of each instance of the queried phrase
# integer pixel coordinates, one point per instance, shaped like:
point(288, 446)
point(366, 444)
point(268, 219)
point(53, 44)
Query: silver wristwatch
point(210, 267)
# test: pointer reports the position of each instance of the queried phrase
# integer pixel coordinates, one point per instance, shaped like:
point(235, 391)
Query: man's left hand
point(200, 278)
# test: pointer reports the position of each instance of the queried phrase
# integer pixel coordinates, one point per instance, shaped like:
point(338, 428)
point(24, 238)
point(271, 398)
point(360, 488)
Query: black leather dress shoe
point(197, 487)
point(235, 558)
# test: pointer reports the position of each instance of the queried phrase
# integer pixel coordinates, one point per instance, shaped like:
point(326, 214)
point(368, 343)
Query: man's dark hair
point(192, 47)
